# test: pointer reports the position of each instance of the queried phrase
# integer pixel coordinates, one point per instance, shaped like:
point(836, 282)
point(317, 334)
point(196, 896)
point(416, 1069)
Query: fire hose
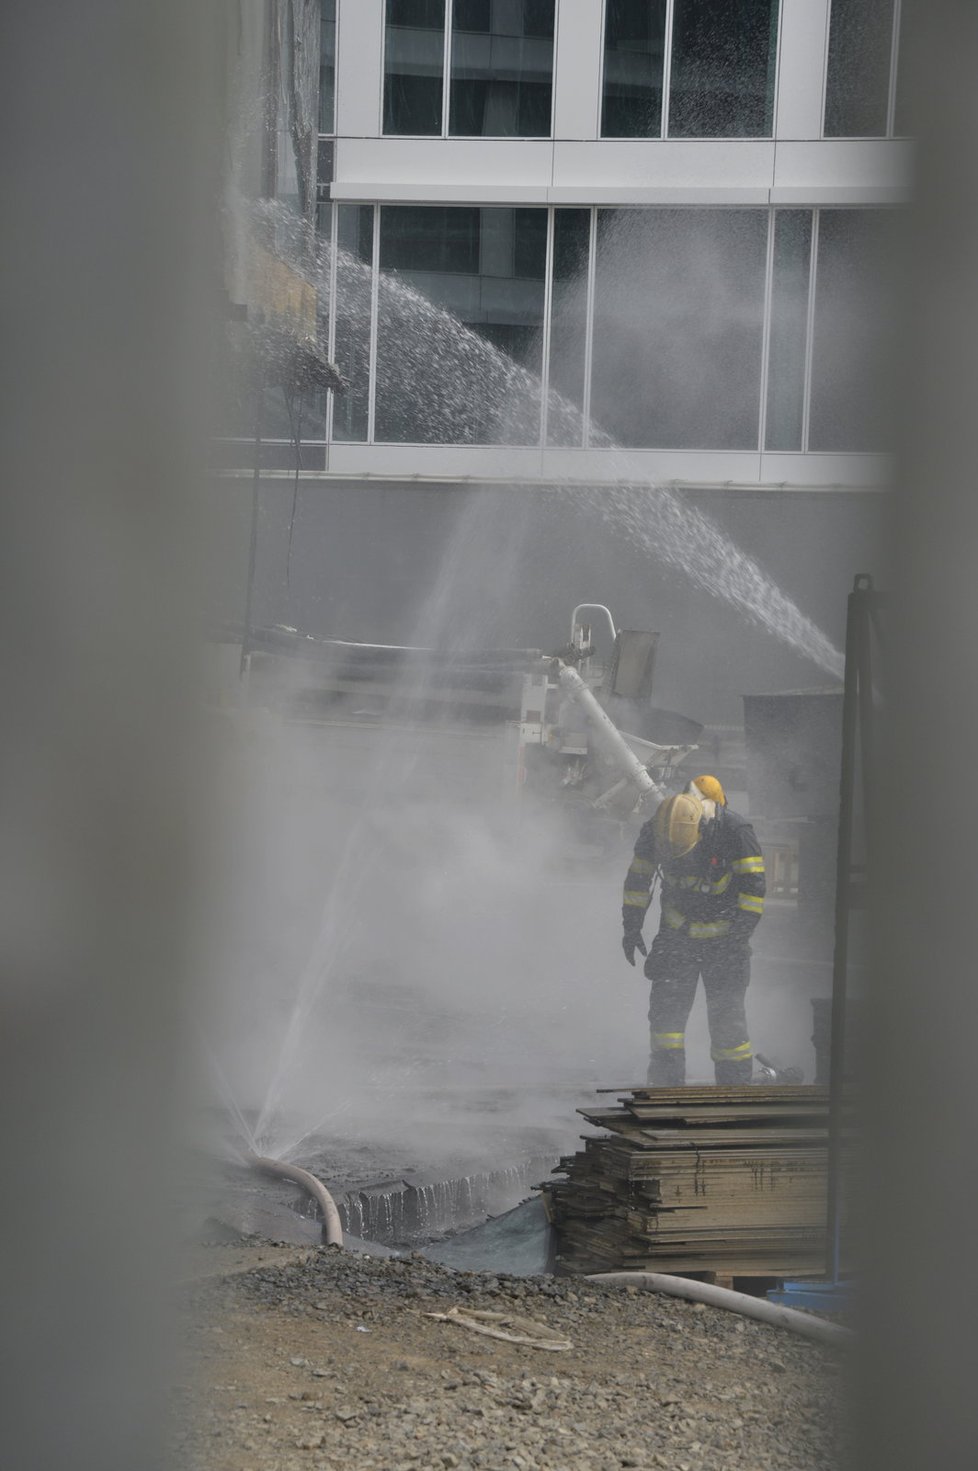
point(332, 1225)
point(758, 1308)
point(607, 733)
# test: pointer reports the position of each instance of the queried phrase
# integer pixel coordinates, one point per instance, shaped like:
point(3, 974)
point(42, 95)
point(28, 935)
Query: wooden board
point(723, 1180)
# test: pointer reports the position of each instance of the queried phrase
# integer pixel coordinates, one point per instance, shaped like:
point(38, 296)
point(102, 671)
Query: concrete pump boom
point(610, 737)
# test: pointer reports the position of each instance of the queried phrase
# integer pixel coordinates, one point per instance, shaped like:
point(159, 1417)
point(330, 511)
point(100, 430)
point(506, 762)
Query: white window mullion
point(602, 68)
point(766, 335)
point(825, 68)
point(548, 297)
point(667, 66)
point(553, 74)
point(383, 65)
point(446, 81)
point(592, 252)
point(374, 303)
point(777, 71)
point(810, 332)
point(331, 336)
point(894, 70)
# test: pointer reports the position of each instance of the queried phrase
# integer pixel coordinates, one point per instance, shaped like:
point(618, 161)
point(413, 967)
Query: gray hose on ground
point(733, 1302)
point(332, 1226)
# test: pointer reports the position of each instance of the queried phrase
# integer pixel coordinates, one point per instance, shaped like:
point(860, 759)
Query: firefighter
point(712, 874)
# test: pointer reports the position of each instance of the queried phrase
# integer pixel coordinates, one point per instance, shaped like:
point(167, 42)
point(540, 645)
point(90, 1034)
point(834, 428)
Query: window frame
point(586, 443)
point(769, 210)
point(446, 91)
point(664, 135)
point(589, 277)
point(666, 76)
point(890, 131)
point(417, 137)
point(544, 328)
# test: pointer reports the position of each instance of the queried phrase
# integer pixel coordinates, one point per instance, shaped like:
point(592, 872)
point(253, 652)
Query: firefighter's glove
point(631, 941)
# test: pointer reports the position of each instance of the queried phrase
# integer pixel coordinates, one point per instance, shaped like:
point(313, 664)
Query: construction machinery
point(571, 746)
point(587, 738)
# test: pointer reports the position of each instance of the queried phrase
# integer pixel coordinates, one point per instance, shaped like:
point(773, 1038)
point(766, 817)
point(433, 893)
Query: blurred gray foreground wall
point(108, 120)
point(918, 1387)
point(108, 154)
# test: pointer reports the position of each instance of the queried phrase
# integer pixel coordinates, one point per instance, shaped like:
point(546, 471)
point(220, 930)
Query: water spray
point(464, 376)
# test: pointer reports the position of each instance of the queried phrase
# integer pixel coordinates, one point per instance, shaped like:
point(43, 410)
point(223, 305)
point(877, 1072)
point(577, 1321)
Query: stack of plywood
point(724, 1181)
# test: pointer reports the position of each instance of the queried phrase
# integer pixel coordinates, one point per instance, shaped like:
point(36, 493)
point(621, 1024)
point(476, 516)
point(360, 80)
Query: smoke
point(678, 329)
point(419, 953)
point(405, 928)
point(414, 932)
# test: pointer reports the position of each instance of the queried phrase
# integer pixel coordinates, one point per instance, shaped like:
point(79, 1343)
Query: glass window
point(327, 67)
point(295, 63)
point(300, 416)
point(472, 15)
point(426, 237)
point(283, 286)
point(529, 242)
point(724, 54)
point(288, 147)
point(459, 349)
point(414, 64)
point(634, 49)
point(678, 327)
point(857, 88)
point(297, 417)
point(788, 329)
point(502, 68)
point(853, 309)
point(538, 18)
point(858, 78)
point(568, 326)
point(354, 234)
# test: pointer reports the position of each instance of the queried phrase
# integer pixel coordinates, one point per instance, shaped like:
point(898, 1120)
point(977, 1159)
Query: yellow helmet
point(677, 825)
point(710, 788)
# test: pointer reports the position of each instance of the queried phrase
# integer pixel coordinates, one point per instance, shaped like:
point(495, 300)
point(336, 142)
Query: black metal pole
point(843, 878)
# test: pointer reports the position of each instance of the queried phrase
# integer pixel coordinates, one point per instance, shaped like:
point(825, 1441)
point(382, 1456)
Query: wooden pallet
point(729, 1181)
point(716, 1096)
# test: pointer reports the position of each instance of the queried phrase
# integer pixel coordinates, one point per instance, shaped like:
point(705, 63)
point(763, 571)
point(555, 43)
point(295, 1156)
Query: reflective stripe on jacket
point(716, 890)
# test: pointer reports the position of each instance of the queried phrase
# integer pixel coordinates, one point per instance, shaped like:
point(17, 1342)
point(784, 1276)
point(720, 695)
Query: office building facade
point(589, 242)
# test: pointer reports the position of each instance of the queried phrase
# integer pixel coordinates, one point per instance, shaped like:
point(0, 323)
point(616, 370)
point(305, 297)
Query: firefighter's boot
point(667, 1060)
point(733, 1066)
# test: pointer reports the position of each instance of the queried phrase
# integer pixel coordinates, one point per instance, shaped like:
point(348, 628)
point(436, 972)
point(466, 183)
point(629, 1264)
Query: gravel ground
point(325, 1360)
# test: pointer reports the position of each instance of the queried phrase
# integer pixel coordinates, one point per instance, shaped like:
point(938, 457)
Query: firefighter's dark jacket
point(715, 892)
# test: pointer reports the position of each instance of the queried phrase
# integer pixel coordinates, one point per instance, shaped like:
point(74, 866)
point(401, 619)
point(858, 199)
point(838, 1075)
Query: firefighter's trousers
point(674, 966)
